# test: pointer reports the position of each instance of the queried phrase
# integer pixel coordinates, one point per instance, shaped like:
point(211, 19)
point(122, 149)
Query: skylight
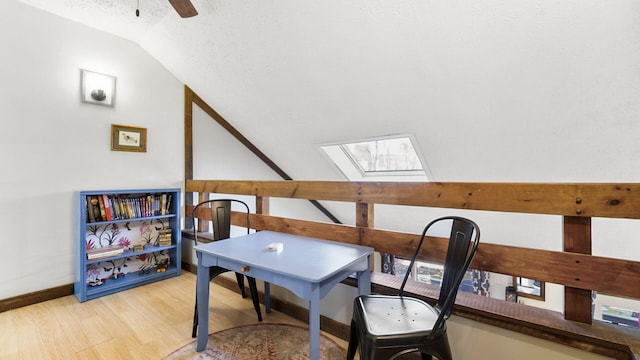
point(393, 158)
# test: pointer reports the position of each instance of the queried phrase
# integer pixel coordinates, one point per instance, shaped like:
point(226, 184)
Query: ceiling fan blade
point(184, 8)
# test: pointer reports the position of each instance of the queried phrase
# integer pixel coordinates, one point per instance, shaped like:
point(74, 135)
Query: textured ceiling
point(501, 76)
point(113, 16)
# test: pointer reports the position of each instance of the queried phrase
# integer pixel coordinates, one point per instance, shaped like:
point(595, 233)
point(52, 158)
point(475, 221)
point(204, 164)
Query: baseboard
point(35, 297)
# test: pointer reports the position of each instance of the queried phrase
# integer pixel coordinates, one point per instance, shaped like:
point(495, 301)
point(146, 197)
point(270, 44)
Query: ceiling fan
point(184, 8)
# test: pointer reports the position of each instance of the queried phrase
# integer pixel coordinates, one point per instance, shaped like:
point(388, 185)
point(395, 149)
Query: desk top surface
point(303, 257)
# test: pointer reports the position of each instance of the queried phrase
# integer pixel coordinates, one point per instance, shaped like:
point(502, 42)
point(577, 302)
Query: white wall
point(51, 144)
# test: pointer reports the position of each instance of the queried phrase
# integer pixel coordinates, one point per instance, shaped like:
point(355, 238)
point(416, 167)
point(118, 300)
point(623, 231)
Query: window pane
point(384, 155)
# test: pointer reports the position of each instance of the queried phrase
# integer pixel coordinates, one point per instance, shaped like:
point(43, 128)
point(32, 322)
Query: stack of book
point(164, 237)
point(103, 252)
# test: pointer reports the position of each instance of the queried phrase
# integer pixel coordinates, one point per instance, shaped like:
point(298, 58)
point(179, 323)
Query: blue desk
point(308, 267)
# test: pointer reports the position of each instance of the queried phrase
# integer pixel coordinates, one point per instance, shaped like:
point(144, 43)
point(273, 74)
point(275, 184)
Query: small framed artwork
point(98, 89)
point(529, 288)
point(128, 138)
point(510, 294)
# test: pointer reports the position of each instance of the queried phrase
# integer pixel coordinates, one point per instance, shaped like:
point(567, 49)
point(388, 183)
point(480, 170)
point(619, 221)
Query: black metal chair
point(221, 220)
point(386, 327)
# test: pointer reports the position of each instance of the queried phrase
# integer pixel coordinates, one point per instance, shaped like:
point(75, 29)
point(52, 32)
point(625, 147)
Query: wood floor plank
point(146, 322)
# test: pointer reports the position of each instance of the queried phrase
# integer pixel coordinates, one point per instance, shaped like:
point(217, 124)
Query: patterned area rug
point(263, 342)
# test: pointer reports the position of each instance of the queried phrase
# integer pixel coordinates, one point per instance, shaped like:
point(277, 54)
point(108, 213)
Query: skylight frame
point(338, 154)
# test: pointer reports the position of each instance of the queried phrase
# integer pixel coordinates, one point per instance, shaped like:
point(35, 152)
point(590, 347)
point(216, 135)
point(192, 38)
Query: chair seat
point(396, 315)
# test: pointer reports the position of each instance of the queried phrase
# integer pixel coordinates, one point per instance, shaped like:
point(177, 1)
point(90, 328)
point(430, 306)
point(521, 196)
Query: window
point(620, 316)
point(474, 281)
point(529, 288)
point(393, 158)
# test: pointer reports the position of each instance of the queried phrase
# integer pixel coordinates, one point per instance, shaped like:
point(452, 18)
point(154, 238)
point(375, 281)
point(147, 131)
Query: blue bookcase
point(124, 239)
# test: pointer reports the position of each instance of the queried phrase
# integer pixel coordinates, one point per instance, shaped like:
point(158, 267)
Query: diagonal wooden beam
point(193, 98)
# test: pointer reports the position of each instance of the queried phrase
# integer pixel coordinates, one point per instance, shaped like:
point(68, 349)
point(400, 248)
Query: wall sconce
point(98, 89)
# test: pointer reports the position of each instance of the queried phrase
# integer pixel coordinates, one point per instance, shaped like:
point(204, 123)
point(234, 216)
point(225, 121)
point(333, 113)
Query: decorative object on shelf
point(128, 138)
point(164, 237)
point(98, 89)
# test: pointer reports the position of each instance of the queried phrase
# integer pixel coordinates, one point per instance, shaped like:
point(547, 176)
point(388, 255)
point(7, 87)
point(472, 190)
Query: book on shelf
point(105, 251)
point(113, 201)
point(93, 206)
point(168, 206)
point(101, 204)
point(90, 216)
point(107, 207)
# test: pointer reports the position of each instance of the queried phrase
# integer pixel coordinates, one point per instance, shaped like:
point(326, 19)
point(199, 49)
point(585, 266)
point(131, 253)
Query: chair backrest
point(463, 243)
point(220, 217)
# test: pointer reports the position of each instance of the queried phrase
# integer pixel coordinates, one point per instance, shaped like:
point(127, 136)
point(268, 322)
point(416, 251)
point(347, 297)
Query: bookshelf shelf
point(144, 223)
point(131, 253)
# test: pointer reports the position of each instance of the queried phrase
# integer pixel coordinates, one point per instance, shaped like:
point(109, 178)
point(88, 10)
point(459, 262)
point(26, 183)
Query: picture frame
point(511, 294)
point(97, 89)
point(128, 138)
point(529, 288)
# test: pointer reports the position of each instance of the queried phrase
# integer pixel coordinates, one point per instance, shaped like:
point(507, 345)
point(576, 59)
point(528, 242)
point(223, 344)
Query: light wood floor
point(147, 322)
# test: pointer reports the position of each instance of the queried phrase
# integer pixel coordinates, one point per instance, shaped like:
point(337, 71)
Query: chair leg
point(440, 348)
point(195, 321)
point(254, 296)
point(353, 342)
point(240, 279)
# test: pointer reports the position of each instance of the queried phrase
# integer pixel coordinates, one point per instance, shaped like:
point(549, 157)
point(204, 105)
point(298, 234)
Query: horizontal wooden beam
point(583, 271)
point(582, 200)
point(326, 231)
point(606, 275)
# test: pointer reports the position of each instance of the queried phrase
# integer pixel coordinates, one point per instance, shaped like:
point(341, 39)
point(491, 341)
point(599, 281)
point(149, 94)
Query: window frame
point(527, 294)
point(335, 153)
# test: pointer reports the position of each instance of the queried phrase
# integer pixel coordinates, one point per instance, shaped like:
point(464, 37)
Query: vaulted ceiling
point(493, 90)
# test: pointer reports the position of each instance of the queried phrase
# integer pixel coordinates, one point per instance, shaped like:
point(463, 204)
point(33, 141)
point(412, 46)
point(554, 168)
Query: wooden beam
point(188, 150)
point(577, 239)
point(606, 275)
point(188, 134)
point(580, 200)
point(249, 145)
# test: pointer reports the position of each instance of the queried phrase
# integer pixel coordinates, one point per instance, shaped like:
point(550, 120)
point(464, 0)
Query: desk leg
point(202, 295)
point(314, 324)
point(267, 297)
point(364, 280)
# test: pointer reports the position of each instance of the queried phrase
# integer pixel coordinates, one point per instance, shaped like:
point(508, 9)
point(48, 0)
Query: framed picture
point(529, 288)
point(128, 138)
point(511, 294)
point(96, 88)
